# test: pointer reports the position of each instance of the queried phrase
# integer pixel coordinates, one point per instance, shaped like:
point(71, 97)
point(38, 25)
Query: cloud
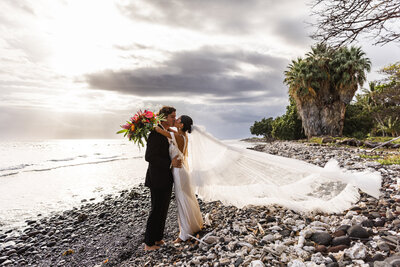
point(23, 6)
point(133, 46)
point(294, 31)
point(227, 16)
point(33, 46)
point(12, 10)
point(210, 72)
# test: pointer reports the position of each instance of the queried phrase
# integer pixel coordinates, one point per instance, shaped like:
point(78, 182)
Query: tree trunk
point(320, 118)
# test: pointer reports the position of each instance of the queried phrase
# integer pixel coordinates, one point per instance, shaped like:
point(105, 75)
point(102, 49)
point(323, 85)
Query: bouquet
point(140, 125)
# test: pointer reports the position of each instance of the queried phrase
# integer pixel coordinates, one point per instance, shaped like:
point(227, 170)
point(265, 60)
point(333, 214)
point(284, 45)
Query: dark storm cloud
point(229, 16)
point(207, 72)
point(151, 83)
point(216, 60)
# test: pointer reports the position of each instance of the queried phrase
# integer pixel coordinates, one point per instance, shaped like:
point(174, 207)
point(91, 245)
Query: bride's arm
point(163, 132)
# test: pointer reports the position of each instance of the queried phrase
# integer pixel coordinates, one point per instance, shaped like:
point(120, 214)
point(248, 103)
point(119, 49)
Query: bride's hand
point(176, 162)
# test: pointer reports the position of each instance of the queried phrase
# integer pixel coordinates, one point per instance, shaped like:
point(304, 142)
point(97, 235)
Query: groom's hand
point(177, 163)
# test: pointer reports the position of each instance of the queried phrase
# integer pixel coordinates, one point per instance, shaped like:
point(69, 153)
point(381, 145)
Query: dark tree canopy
point(343, 21)
point(263, 127)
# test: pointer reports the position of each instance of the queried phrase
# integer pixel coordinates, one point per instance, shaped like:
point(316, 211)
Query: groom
point(159, 179)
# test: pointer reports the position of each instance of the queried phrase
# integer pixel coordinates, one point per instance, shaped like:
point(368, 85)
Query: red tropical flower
point(148, 114)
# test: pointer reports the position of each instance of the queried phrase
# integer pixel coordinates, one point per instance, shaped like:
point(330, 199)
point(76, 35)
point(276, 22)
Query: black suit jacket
point(159, 173)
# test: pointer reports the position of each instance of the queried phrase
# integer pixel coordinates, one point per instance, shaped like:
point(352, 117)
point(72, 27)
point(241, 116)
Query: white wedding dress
point(241, 177)
point(189, 215)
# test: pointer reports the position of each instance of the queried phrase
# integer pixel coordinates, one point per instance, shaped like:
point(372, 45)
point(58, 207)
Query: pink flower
point(148, 114)
point(135, 118)
point(126, 126)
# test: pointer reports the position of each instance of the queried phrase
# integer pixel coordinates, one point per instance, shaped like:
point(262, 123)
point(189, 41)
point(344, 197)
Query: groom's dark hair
point(166, 110)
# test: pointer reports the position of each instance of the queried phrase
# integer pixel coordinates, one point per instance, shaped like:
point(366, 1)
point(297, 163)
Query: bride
point(189, 215)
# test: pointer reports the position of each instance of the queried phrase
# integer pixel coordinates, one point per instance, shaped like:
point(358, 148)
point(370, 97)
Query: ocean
point(42, 177)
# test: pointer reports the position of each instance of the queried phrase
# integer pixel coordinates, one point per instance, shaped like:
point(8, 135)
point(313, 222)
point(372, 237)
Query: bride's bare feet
point(160, 243)
point(150, 248)
point(178, 240)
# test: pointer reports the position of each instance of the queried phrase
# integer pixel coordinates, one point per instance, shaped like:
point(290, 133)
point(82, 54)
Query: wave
point(17, 167)
point(80, 156)
point(111, 157)
point(9, 174)
point(57, 160)
point(72, 165)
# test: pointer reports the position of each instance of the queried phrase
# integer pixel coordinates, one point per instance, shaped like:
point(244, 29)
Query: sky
point(80, 69)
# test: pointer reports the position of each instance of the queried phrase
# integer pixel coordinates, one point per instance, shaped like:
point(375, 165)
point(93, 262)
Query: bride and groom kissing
point(166, 154)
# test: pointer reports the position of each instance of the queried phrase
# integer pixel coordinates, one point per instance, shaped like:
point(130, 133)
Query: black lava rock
point(357, 231)
point(341, 240)
point(343, 227)
point(321, 238)
point(368, 223)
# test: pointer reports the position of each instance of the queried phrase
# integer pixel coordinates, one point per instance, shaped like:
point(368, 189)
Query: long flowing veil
point(240, 177)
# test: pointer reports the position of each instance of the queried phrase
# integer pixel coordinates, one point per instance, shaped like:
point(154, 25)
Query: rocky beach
point(110, 232)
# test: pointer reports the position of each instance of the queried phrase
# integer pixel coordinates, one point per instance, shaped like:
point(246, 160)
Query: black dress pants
point(160, 199)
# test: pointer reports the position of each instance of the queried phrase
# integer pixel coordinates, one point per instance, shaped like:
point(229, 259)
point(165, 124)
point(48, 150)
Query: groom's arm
point(153, 154)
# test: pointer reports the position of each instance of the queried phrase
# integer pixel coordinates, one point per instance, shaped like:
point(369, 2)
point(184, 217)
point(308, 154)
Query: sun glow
point(81, 34)
point(84, 35)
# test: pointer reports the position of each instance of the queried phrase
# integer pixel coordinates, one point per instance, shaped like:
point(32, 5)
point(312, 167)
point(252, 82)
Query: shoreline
point(110, 232)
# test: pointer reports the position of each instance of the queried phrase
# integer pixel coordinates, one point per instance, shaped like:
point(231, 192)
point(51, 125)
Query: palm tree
point(323, 83)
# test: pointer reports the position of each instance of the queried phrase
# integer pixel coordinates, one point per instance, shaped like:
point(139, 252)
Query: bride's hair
point(187, 123)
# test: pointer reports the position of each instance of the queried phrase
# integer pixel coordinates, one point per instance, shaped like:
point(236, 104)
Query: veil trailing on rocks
point(241, 177)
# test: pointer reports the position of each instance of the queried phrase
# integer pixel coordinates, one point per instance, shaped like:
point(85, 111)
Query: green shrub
point(263, 127)
point(358, 122)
